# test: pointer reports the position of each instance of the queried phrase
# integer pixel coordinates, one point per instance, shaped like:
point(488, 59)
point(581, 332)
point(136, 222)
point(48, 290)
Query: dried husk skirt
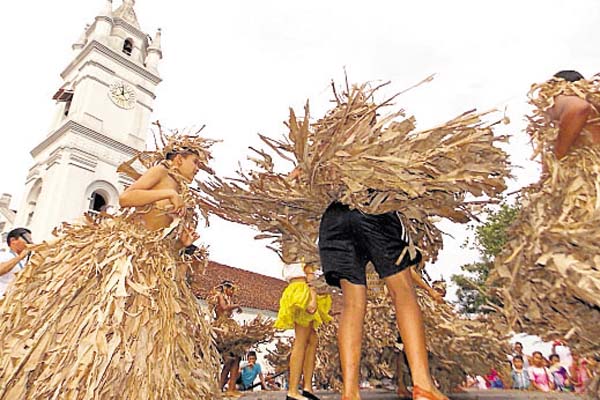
point(105, 312)
point(234, 339)
point(456, 345)
point(292, 307)
point(548, 275)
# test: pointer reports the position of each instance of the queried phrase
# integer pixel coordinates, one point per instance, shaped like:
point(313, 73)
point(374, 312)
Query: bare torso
point(159, 215)
point(221, 312)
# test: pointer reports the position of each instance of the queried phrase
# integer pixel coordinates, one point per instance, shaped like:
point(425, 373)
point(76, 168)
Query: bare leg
point(350, 336)
point(302, 335)
point(402, 391)
point(412, 331)
point(233, 374)
point(309, 360)
point(227, 362)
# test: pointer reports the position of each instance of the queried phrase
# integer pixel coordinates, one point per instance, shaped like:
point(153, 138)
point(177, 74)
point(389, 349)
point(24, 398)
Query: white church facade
point(102, 118)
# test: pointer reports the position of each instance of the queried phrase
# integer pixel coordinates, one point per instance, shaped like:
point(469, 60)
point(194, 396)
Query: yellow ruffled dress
point(293, 303)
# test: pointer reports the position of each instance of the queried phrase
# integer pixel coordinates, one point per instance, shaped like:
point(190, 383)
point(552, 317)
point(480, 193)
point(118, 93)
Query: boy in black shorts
point(348, 240)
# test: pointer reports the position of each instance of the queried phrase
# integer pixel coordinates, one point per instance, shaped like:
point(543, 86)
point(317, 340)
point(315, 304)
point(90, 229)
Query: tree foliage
point(489, 239)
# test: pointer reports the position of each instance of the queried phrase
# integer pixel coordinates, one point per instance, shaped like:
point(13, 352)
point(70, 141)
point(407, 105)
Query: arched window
point(97, 202)
point(128, 46)
point(100, 196)
point(32, 199)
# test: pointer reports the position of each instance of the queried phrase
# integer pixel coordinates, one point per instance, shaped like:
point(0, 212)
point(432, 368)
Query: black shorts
point(349, 239)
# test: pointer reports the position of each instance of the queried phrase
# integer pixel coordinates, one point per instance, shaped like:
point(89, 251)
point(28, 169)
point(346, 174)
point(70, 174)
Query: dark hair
point(226, 284)
point(519, 343)
point(16, 233)
point(554, 355)
point(252, 353)
point(184, 151)
point(569, 75)
point(517, 358)
point(537, 352)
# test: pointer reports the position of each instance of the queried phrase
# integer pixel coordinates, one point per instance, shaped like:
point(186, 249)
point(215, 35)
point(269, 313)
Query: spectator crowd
point(537, 372)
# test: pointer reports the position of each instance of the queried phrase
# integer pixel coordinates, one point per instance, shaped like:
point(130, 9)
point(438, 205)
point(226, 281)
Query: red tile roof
point(254, 290)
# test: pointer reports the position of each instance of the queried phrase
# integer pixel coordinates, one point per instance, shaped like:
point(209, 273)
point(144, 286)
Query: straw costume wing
point(368, 160)
point(548, 275)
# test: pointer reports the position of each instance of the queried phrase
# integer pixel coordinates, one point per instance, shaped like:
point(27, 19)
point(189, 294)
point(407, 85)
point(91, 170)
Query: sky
point(237, 66)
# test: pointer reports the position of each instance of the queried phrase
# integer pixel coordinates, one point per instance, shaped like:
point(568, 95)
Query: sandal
point(418, 392)
point(309, 395)
point(288, 397)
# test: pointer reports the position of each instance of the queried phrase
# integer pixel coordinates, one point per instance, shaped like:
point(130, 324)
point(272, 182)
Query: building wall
point(85, 145)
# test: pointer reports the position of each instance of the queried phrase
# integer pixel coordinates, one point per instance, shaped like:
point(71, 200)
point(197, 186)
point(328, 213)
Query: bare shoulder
point(151, 179)
point(157, 170)
point(567, 104)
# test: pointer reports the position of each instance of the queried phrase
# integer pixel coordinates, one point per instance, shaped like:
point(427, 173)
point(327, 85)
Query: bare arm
point(418, 280)
point(140, 193)
point(262, 381)
point(572, 114)
point(226, 307)
point(312, 304)
point(7, 266)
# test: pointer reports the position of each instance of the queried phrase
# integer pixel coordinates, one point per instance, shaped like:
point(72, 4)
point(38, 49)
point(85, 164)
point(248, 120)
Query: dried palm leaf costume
point(374, 163)
point(104, 311)
point(233, 338)
point(548, 275)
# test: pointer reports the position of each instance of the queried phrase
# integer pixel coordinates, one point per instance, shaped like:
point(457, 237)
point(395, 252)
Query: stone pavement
point(386, 395)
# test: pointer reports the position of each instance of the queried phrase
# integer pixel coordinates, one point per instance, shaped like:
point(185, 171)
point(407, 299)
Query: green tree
point(489, 239)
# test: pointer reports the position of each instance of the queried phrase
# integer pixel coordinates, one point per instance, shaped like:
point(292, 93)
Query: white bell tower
point(102, 119)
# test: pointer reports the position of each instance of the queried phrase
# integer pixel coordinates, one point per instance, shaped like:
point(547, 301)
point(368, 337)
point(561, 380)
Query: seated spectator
point(539, 375)
point(560, 375)
point(248, 373)
point(518, 375)
point(494, 380)
point(481, 383)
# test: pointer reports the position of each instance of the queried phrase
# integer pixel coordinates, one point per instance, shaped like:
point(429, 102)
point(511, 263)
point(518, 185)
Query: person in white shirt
point(15, 259)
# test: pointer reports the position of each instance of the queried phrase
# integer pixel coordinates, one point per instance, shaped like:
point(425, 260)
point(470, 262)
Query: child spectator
point(580, 373)
point(518, 375)
point(559, 374)
point(540, 376)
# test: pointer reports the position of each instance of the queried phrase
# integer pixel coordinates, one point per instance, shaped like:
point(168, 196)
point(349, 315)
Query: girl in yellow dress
point(303, 310)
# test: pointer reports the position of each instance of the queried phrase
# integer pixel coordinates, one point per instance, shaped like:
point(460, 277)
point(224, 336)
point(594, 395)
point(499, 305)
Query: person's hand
point(177, 202)
point(187, 237)
point(312, 306)
point(27, 250)
point(437, 297)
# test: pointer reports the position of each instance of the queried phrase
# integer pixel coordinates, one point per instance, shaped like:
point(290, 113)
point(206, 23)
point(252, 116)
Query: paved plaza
point(386, 395)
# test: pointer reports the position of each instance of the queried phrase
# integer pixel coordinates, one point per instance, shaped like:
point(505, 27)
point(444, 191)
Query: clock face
point(122, 95)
